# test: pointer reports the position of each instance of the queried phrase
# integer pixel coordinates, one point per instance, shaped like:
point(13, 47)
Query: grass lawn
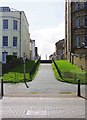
point(16, 75)
point(69, 72)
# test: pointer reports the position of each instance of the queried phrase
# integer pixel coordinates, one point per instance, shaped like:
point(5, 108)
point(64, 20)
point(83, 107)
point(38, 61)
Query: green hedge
point(16, 74)
point(10, 58)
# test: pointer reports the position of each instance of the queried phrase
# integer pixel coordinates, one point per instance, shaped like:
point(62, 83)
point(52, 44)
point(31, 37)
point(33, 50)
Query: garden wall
point(81, 62)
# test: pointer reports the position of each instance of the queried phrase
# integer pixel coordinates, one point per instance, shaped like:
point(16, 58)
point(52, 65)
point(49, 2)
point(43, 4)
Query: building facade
point(59, 49)
point(36, 53)
point(76, 32)
point(14, 34)
point(52, 56)
point(32, 49)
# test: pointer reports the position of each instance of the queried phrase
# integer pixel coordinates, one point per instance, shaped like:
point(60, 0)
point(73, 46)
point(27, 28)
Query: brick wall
point(81, 62)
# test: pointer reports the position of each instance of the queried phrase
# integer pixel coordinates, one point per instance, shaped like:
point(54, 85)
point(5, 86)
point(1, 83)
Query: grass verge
point(69, 72)
point(16, 75)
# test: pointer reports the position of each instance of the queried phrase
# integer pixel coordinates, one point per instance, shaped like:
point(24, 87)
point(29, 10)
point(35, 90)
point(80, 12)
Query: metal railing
point(2, 88)
point(78, 80)
point(58, 70)
point(32, 71)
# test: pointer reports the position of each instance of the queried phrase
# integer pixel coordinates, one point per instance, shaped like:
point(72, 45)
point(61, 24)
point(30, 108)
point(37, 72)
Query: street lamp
point(24, 58)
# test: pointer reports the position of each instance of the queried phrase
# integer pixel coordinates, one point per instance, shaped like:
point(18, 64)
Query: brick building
point(76, 32)
point(59, 49)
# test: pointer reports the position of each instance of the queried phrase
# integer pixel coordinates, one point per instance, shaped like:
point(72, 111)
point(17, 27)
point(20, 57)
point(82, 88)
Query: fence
point(32, 71)
point(2, 90)
point(73, 76)
point(8, 66)
point(58, 70)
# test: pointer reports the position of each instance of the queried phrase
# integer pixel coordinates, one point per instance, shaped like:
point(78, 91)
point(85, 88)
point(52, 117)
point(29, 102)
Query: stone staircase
point(45, 61)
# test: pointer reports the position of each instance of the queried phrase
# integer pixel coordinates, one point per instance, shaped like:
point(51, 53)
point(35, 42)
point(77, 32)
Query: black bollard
point(2, 91)
point(79, 93)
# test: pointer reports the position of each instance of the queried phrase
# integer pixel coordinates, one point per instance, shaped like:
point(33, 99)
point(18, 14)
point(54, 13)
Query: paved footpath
point(22, 107)
point(45, 98)
point(44, 84)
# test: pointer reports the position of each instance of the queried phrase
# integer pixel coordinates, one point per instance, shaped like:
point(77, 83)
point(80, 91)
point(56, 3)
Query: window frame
point(4, 42)
point(5, 25)
point(77, 6)
point(78, 41)
point(14, 41)
point(78, 22)
point(15, 25)
point(85, 41)
point(85, 5)
point(15, 54)
point(85, 25)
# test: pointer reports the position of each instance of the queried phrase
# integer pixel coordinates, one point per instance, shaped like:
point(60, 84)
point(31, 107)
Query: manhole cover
point(36, 112)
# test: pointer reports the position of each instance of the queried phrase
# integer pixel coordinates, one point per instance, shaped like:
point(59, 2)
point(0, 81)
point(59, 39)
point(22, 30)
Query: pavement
point(46, 97)
point(44, 84)
point(22, 107)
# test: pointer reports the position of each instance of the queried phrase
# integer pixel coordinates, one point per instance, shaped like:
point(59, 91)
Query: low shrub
point(16, 74)
point(10, 58)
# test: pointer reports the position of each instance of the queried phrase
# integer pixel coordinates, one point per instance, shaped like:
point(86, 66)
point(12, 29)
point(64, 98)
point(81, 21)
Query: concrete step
point(45, 61)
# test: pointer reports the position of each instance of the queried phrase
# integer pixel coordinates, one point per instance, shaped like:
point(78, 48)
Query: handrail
point(2, 88)
point(34, 68)
point(58, 70)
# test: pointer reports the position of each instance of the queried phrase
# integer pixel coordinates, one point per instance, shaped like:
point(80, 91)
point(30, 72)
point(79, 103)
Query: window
point(85, 21)
point(78, 41)
point(85, 40)
point(5, 24)
point(78, 22)
point(85, 5)
point(78, 6)
point(15, 41)
point(5, 40)
point(15, 24)
point(15, 53)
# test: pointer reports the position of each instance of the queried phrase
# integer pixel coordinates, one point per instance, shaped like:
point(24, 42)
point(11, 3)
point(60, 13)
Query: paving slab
point(22, 107)
point(46, 97)
point(0, 109)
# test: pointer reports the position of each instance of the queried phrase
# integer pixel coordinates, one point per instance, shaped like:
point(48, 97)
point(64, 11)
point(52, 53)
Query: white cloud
point(46, 39)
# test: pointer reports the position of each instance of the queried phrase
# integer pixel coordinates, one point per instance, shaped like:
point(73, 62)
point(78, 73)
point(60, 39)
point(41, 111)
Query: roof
point(60, 42)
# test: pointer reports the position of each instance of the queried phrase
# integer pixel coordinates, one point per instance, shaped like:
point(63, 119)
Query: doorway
point(4, 54)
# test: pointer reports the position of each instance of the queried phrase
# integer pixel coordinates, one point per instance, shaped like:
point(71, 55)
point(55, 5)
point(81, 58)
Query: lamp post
point(24, 58)
point(46, 57)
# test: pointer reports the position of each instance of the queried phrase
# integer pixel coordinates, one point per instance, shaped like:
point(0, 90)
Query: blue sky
point(46, 21)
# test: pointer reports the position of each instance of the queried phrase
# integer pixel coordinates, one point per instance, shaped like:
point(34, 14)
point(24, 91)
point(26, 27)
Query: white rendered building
point(32, 47)
point(14, 34)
